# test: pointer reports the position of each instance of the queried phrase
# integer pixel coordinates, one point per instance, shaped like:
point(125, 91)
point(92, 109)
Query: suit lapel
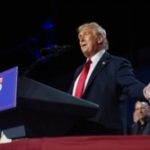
point(78, 71)
point(100, 65)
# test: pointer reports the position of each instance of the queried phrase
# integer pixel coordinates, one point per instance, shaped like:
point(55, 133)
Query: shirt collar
point(98, 55)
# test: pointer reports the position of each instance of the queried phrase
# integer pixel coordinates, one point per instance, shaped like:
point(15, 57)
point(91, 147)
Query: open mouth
point(83, 45)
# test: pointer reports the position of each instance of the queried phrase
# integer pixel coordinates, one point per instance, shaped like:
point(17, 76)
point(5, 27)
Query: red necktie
point(82, 78)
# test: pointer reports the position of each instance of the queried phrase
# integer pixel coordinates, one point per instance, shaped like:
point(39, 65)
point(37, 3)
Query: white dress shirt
point(94, 60)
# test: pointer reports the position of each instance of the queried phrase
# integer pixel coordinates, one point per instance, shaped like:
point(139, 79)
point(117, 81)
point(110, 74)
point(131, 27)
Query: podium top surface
point(34, 94)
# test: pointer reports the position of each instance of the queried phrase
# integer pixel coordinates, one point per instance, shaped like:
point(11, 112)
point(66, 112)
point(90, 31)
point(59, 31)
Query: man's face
point(142, 109)
point(89, 41)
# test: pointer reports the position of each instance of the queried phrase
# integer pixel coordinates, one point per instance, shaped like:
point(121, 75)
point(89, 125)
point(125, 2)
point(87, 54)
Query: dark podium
point(43, 111)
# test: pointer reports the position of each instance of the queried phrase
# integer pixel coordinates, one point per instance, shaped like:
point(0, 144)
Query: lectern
point(43, 111)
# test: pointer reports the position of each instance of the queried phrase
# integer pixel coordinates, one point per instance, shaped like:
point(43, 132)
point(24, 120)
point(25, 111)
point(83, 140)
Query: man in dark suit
point(109, 81)
point(141, 119)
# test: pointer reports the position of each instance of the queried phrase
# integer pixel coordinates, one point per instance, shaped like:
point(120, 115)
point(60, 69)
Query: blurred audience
point(141, 119)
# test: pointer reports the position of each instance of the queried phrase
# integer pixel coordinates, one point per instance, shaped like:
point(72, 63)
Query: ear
point(100, 39)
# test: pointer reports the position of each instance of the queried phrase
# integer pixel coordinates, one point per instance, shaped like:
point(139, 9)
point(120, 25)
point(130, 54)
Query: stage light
point(47, 25)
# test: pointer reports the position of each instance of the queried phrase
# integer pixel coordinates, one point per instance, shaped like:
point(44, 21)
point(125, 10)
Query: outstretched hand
point(147, 92)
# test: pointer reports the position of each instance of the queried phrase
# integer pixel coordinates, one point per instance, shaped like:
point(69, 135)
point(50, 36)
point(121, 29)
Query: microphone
point(45, 54)
point(55, 49)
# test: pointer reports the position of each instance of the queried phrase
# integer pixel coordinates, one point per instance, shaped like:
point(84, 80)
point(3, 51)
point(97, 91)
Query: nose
point(81, 39)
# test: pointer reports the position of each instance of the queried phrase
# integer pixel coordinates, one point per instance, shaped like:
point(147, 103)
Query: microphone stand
point(46, 54)
point(30, 68)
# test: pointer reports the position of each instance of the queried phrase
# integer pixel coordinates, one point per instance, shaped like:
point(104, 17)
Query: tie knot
point(89, 61)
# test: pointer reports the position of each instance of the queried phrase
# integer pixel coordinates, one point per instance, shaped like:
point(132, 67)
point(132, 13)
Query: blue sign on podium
point(8, 88)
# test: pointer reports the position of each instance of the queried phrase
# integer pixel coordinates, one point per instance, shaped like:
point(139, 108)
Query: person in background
point(109, 81)
point(141, 118)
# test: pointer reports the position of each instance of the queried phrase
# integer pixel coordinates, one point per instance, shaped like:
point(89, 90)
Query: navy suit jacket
point(110, 83)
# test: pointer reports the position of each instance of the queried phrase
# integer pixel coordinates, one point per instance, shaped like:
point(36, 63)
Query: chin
point(87, 55)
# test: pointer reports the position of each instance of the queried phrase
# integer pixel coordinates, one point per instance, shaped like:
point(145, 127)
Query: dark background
point(25, 40)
